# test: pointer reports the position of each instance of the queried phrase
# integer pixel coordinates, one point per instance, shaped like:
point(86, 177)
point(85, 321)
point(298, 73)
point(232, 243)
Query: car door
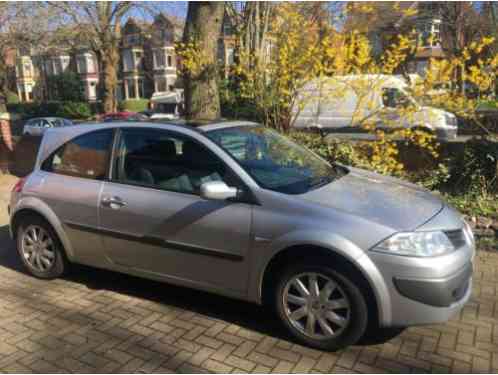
point(154, 220)
point(72, 181)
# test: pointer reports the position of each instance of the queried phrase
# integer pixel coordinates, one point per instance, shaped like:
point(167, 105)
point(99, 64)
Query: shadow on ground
point(247, 315)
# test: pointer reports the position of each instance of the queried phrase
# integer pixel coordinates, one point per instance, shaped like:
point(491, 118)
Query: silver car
point(237, 209)
point(37, 126)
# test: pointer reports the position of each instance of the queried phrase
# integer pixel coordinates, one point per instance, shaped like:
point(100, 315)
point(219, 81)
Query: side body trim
point(159, 242)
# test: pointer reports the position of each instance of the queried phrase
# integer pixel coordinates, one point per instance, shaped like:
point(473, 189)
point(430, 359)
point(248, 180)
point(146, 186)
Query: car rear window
point(85, 156)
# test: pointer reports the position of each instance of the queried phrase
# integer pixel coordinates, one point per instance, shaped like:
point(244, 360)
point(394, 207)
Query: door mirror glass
point(217, 190)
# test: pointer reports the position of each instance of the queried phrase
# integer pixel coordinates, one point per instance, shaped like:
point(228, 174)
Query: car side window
point(85, 156)
point(167, 161)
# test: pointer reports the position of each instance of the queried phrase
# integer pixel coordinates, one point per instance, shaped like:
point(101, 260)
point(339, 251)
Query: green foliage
point(134, 105)
point(12, 98)
point(234, 105)
point(488, 105)
point(67, 86)
point(72, 110)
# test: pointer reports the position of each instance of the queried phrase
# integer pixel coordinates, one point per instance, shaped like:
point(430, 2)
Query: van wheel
point(320, 306)
point(40, 249)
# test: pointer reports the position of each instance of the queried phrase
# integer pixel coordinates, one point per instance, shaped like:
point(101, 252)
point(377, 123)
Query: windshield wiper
point(318, 182)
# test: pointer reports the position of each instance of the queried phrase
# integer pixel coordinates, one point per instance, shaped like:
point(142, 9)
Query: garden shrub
point(134, 105)
point(12, 97)
point(72, 110)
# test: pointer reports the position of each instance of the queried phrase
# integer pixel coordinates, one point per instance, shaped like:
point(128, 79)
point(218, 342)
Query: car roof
point(200, 126)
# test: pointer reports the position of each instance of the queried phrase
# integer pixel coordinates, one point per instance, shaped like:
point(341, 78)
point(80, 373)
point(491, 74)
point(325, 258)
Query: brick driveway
point(99, 321)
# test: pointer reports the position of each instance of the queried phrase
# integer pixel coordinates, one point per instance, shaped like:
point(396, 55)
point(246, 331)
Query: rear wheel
point(320, 306)
point(40, 249)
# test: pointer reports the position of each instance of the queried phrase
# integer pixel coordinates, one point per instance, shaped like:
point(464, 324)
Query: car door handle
point(113, 202)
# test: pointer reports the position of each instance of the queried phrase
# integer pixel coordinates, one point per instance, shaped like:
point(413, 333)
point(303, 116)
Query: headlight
point(416, 244)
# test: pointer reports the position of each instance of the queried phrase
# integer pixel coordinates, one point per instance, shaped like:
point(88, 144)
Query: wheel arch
point(300, 252)
point(41, 210)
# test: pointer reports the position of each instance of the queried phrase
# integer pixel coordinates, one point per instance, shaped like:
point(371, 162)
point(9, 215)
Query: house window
point(170, 61)
point(230, 56)
point(138, 59)
point(132, 39)
point(64, 63)
point(159, 59)
point(430, 34)
point(81, 64)
point(90, 63)
point(131, 88)
point(127, 60)
point(141, 92)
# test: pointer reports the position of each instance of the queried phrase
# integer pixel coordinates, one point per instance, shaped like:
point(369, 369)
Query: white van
point(338, 102)
point(166, 105)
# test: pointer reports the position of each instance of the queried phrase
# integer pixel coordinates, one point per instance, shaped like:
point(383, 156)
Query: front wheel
point(321, 307)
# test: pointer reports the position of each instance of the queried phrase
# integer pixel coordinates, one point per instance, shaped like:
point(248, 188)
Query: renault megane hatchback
point(237, 209)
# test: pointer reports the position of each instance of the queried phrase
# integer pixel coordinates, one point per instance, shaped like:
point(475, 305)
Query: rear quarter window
point(85, 156)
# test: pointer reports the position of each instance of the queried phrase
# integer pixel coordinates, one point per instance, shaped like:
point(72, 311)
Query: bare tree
point(100, 23)
point(23, 25)
point(203, 28)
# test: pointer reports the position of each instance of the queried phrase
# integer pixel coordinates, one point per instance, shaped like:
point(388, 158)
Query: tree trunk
point(203, 27)
point(110, 61)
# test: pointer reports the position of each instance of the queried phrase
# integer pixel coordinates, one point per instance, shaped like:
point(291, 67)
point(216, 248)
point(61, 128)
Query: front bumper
point(426, 290)
point(436, 292)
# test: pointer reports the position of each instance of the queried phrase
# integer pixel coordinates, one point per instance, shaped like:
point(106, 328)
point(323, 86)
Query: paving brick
point(230, 339)
point(209, 341)
point(215, 366)
point(118, 356)
point(178, 359)
point(260, 369)
point(223, 352)
point(285, 355)
point(326, 362)
point(240, 363)
point(283, 367)
point(262, 359)
point(201, 356)
point(304, 365)
point(244, 349)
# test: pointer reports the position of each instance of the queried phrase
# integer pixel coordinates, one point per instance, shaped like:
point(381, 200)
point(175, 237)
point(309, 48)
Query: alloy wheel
point(38, 248)
point(316, 305)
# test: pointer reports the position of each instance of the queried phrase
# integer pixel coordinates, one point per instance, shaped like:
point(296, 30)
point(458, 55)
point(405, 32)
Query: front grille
point(456, 237)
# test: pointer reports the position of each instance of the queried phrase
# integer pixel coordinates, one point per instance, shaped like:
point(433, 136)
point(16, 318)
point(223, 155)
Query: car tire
point(332, 321)
point(40, 249)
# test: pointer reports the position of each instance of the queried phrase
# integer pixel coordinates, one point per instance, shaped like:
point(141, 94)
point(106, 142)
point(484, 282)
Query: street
point(99, 321)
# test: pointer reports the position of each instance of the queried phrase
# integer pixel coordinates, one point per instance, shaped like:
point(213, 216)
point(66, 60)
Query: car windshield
point(275, 162)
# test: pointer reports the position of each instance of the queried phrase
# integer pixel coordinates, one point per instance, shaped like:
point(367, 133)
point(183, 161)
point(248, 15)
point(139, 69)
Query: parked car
point(37, 126)
point(347, 101)
point(124, 116)
point(240, 210)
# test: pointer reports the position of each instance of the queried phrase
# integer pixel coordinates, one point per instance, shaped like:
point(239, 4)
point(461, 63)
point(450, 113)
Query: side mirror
point(217, 190)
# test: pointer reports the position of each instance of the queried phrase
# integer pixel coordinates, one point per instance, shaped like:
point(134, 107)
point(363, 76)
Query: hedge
point(71, 110)
point(134, 105)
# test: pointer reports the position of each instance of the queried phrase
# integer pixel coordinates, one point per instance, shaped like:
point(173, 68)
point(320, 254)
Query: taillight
point(19, 185)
